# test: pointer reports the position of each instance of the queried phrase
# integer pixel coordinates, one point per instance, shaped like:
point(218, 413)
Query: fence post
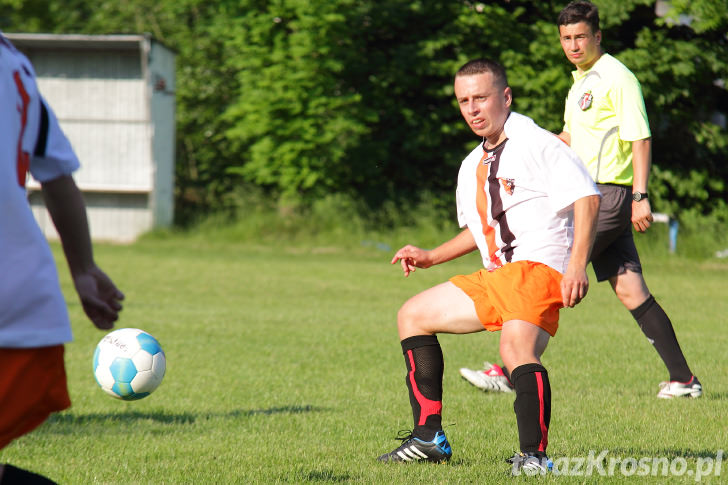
point(674, 225)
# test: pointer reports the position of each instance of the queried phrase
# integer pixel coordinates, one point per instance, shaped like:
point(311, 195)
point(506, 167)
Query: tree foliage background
point(301, 99)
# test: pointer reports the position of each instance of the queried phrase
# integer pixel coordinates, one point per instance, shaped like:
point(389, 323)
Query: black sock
point(18, 476)
point(532, 406)
point(425, 365)
point(657, 327)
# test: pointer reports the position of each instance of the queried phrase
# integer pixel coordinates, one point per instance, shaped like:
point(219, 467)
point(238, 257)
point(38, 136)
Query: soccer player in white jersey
point(34, 323)
point(528, 204)
point(606, 125)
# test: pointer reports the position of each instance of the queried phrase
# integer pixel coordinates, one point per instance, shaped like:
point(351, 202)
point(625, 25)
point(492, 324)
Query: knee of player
point(632, 296)
point(630, 284)
point(514, 355)
point(407, 314)
point(508, 352)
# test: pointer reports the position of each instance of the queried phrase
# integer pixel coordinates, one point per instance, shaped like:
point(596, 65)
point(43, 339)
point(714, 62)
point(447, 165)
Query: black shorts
point(614, 251)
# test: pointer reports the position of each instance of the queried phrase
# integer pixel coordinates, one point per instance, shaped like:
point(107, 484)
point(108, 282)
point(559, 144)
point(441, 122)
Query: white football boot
point(491, 378)
point(530, 463)
point(672, 389)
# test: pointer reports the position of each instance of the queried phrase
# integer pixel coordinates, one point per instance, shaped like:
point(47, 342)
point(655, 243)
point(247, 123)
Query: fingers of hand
point(565, 293)
point(101, 313)
point(575, 297)
point(570, 299)
point(401, 254)
point(572, 292)
point(103, 324)
point(581, 290)
point(641, 225)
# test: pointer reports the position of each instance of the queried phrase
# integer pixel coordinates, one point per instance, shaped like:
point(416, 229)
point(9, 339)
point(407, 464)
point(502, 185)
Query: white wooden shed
point(114, 98)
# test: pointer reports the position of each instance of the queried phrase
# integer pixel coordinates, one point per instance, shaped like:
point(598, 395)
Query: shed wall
point(121, 128)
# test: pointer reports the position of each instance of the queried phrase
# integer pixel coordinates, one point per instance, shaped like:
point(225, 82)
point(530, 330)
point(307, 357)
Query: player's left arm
point(641, 163)
point(101, 299)
point(575, 283)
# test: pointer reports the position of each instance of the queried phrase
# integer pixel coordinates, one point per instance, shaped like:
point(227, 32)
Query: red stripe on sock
point(427, 406)
point(541, 405)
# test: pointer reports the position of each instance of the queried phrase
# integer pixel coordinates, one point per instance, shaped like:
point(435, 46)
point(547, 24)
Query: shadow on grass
point(308, 476)
point(669, 453)
point(717, 396)
point(276, 410)
point(66, 422)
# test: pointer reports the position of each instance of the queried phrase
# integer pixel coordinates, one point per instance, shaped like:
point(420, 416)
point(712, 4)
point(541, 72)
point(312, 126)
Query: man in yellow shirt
point(605, 122)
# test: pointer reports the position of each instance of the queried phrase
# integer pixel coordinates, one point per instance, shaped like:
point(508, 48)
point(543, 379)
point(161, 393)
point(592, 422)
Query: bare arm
point(565, 137)
point(575, 283)
point(641, 163)
point(99, 296)
point(412, 257)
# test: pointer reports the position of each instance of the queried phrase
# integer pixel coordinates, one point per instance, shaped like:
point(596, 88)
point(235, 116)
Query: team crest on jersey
point(508, 185)
point(487, 160)
point(585, 101)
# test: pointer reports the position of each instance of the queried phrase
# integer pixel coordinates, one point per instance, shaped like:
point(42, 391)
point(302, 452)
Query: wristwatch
point(638, 196)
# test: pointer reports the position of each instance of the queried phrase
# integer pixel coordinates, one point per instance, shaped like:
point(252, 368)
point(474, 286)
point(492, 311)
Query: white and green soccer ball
point(129, 364)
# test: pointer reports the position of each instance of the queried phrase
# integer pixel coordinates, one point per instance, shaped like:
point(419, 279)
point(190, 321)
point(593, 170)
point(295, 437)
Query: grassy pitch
point(283, 366)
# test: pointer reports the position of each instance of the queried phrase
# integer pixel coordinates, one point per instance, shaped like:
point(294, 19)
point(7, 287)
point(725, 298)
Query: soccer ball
point(129, 364)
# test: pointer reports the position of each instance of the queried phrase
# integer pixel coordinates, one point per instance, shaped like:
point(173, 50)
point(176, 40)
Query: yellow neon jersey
point(604, 114)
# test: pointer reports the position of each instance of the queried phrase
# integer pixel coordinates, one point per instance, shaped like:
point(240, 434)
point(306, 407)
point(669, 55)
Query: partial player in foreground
point(34, 322)
point(528, 204)
point(606, 124)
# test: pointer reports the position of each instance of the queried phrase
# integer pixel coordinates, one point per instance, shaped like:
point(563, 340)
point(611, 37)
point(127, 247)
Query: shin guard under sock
point(532, 406)
point(423, 357)
point(657, 327)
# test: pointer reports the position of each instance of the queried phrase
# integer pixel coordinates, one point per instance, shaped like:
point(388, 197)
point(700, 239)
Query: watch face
point(638, 196)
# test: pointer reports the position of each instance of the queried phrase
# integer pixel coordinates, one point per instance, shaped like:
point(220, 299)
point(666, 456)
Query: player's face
point(484, 105)
point(580, 44)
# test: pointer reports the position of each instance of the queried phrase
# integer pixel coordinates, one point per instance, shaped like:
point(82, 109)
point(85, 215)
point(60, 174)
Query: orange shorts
point(523, 290)
point(32, 386)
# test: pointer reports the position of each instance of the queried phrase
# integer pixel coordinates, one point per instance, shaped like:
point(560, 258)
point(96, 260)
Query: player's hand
point(411, 258)
point(641, 215)
point(574, 287)
point(101, 299)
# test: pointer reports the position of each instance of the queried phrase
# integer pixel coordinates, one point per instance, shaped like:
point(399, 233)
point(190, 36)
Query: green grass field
point(283, 366)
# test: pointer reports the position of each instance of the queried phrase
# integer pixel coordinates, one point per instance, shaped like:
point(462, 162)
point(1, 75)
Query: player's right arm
point(412, 257)
point(100, 298)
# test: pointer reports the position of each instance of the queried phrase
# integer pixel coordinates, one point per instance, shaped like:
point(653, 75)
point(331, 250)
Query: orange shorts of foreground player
point(32, 386)
point(522, 290)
